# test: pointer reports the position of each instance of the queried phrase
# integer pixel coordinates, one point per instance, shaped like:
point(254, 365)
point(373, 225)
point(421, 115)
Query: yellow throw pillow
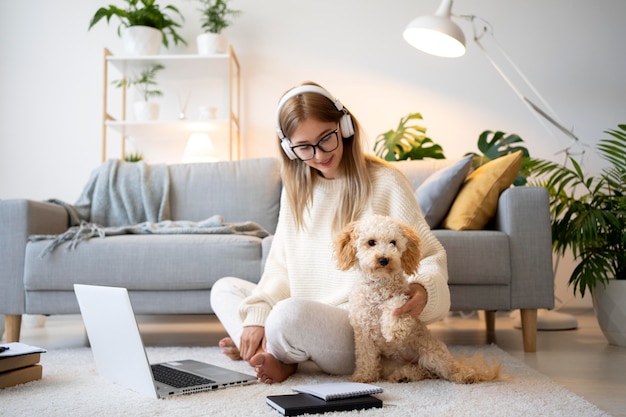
point(477, 201)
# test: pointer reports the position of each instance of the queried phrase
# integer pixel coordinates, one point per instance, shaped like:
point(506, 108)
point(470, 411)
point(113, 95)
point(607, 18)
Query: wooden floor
point(580, 359)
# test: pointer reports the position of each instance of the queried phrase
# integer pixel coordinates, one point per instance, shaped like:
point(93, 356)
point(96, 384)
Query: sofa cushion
point(417, 171)
point(436, 194)
point(144, 262)
point(477, 201)
point(245, 190)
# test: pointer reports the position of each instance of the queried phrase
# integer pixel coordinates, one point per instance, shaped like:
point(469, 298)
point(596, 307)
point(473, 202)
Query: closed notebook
point(297, 404)
point(334, 390)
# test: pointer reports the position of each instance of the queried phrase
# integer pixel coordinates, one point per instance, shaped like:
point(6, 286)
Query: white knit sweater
point(301, 262)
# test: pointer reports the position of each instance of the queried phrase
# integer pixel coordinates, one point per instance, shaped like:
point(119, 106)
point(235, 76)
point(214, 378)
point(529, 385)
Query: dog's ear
point(345, 248)
point(412, 254)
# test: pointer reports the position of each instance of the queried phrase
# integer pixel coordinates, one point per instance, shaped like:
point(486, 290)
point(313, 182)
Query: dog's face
point(379, 246)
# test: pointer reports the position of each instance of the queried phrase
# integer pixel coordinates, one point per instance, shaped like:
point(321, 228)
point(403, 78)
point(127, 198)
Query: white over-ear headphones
point(345, 123)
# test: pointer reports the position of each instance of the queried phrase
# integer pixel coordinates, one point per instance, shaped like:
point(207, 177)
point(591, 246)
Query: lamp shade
point(436, 34)
point(199, 149)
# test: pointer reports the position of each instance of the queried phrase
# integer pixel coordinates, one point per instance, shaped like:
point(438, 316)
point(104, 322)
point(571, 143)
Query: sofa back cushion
point(244, 190)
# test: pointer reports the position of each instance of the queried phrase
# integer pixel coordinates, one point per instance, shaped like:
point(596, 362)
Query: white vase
point(211, 43)
point(610, 305)
point(142, 40)
point(146, 111)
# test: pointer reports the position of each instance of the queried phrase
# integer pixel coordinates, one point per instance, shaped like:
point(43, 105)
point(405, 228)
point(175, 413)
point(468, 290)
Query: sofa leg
point(12, 327)
point(529, 329)
point(490, 323)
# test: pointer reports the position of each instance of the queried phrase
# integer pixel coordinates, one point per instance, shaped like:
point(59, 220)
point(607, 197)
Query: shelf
point(215, 72)
point(158, 128)
point(184, 66)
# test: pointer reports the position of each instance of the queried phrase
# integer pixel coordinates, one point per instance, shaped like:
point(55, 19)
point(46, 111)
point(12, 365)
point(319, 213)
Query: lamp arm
point(536, 110)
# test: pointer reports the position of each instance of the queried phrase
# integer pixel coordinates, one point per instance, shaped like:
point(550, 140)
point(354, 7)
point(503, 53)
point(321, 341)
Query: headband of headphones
point(297, 91)
point(345, 124)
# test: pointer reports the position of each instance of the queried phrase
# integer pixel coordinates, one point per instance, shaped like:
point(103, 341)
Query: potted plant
point(407, 142)
point(146, 84)
point(143, 25)
point(215, 18)
point(499, 145)
point(588, 216)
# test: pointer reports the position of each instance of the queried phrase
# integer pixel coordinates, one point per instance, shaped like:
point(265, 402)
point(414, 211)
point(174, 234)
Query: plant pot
point(142, 40)
point(609, 304)
point(211, 43)
point(146, 111)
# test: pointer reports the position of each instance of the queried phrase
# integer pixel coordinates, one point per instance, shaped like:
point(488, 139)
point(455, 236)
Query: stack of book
point(322, 398)
point(19, 363)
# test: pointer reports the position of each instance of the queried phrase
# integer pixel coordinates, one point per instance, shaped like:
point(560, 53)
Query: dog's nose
point(383, 261)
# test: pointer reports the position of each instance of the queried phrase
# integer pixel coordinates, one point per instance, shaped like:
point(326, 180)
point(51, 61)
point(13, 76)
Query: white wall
point(51, 76)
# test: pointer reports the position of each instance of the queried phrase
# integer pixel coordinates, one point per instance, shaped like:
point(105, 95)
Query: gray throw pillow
point(437, 193)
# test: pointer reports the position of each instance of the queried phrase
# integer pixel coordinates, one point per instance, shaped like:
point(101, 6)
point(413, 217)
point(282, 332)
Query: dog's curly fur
point(396, 348)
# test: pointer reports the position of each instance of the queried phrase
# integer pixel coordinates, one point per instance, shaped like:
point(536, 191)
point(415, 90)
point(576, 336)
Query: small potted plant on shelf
point(588, 216)
point(145, 83)
point(143, 25)
point(215, 18)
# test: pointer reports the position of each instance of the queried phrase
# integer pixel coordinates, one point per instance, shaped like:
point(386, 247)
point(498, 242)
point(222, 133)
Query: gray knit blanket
point(132, 198)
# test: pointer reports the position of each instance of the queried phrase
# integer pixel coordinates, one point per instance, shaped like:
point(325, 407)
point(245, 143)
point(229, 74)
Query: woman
point(298, 310)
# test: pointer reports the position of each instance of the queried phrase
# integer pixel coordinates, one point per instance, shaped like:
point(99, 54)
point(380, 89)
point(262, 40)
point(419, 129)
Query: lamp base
point(549, 320)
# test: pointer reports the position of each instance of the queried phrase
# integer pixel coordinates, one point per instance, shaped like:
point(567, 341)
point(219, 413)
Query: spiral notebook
point(335, 390)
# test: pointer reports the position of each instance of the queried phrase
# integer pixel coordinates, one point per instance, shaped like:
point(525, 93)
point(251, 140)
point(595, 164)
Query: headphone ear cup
point(346, 126)
point(286, 145)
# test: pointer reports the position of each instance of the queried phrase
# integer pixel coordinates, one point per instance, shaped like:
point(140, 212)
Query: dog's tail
point(471, 370)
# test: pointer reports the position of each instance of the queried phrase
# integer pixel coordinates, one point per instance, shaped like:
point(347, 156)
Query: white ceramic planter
point(142, 40)
point(211, 43)
point(146, 111)
point(610, 306)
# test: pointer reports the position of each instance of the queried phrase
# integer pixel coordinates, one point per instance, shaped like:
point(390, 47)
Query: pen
point(3, 348)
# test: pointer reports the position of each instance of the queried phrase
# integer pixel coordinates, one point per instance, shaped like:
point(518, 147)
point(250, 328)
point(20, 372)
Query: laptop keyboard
point(176, 378)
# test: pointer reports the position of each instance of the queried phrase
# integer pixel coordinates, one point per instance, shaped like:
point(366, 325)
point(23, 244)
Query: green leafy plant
point(145, 82)
point(407, 142)
point(496, 144)
point(588, 213)
point(215, 15)
point(143, 13)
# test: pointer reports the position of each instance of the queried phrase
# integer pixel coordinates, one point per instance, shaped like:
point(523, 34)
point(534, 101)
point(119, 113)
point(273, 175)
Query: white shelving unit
point(194, 68)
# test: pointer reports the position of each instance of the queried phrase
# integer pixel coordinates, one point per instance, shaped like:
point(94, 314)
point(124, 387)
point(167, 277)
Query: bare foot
point(229, 348)
point(269, 369)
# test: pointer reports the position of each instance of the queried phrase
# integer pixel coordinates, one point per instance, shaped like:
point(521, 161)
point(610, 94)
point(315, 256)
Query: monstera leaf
point(498, 145)
point(407, 142)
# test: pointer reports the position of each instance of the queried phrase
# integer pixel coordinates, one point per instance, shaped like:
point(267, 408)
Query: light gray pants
point(296, 329)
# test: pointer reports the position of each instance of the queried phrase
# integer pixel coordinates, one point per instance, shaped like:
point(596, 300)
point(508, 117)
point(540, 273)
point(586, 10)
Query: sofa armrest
point(524, 215)
point(19, 219)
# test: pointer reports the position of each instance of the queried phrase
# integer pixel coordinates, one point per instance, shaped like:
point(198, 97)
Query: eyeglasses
point(328, 143)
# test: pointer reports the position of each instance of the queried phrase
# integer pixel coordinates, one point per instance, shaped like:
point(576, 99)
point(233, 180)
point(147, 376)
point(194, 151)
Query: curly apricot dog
point(396, 348)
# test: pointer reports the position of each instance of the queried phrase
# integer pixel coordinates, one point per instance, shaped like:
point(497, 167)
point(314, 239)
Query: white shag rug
point(71, 386)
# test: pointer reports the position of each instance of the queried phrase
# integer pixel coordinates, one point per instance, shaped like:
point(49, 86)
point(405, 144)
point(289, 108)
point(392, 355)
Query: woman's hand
point(415, 304)
point(252, 340)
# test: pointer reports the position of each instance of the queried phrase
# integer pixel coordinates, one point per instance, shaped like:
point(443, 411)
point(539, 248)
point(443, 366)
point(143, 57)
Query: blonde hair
point(299, 179)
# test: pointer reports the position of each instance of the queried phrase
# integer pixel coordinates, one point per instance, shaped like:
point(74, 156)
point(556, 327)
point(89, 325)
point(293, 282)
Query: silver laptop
point(121, 357)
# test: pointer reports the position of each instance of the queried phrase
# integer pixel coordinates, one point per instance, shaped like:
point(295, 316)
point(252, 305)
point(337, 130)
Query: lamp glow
point(199, 149)
point(436, 34)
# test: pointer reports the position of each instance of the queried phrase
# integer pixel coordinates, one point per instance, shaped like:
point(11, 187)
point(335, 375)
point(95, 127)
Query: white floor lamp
point(438, 35)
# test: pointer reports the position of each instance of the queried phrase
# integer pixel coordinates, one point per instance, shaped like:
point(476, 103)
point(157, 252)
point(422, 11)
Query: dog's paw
point(364, 377)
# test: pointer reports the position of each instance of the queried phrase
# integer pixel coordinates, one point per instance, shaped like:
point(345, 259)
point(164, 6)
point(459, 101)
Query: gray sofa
point(508, 266)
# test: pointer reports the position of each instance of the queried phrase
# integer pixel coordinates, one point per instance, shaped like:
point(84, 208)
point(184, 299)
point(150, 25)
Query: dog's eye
point(371, 242)
point(393, 242)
